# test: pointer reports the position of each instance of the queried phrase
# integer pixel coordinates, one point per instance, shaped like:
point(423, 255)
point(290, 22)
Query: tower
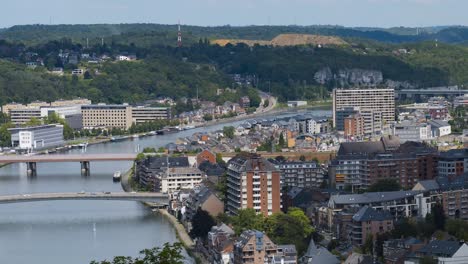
point(179, 37)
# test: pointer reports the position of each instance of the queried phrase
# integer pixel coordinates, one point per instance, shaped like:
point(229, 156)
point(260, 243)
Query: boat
point(189, 127)
point(117, 176)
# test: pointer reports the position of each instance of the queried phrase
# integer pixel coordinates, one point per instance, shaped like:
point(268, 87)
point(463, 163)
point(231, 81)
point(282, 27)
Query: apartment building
point(150, 170)
point(141, 114)
point(20, 116)
point(452, 163)
point(372, 122)
point(107, 116)
point(380, 100)
point(354, 126)
point(253, 182)
point(301, 174)
point(369, 222)
point(254, 247)
point(177, 178)
point(360, 164)
point(38, 137)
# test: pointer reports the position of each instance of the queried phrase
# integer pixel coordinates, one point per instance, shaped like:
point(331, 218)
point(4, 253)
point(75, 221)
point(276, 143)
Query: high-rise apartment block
point(253, 182)
point(368, 102)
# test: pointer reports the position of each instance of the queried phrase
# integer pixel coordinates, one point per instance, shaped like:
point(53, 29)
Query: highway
point(121, 196)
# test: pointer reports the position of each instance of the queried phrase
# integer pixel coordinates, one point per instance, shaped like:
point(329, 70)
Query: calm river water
point(77, 232)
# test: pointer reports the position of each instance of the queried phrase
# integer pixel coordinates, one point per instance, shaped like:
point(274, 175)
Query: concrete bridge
point(84, 159)
point(158, 198)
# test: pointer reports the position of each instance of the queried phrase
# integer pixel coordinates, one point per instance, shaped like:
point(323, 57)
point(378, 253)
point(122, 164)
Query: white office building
point(411, 131)
point(38, 137)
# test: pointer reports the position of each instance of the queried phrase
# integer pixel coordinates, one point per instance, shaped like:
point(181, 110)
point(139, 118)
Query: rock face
point(357, 77)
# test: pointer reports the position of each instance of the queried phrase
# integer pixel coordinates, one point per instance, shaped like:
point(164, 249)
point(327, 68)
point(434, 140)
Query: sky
point(366, 13)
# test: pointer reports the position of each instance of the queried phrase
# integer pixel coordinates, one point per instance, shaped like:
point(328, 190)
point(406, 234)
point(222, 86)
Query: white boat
point(117, 176)
point(135, 136)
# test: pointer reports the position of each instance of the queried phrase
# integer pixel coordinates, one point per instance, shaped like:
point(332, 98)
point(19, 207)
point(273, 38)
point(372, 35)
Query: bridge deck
point(67, 158)
point(145, 197)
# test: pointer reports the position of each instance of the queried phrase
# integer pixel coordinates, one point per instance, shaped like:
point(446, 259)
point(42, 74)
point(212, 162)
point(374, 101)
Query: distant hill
point(287, 40)
point(158, 34)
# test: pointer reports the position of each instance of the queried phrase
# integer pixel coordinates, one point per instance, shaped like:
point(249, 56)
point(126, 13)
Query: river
point(77, 232)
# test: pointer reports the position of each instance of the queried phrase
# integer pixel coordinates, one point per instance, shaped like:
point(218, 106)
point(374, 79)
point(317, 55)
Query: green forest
point(200, 68)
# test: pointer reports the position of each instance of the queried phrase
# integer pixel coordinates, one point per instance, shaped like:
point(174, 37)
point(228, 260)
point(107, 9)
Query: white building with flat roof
point(38, 137)
point(177, 178)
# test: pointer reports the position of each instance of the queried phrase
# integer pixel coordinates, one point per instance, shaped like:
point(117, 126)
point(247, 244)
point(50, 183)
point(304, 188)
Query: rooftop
point(367, 213)
point(371, 197)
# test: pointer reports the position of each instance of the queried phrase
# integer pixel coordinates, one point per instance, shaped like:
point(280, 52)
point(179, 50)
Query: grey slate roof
point(438, 123)
point(348, 148)
point(429, 185)
point(367, 213)
point(319, 255)
point(371, 197)
point(440, 248)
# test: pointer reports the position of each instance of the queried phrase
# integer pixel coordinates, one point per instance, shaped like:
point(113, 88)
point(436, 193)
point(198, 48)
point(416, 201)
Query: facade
point(244, 102)
point(206, 155)
point(360, 164)
point(354, 126)
point(21, 116)
point(202, 197)
point(380, 100)
point(340, 115)
point(220, 244)
point(460, 101)
point(453, 163)
point(440, 128)
point(438, 112)
point(301, 174)
point(254, 247)
point(337, 216)
point(107, 116)
point(39, 137)
point(149, 171)
point(177, 178)
point(369, 222)
point(411, 131)
point(61, 111)
point(253, 182)
point(148, 114)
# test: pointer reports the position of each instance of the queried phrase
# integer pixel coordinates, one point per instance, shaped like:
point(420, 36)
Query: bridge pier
point(85, 168)
point(32, 168)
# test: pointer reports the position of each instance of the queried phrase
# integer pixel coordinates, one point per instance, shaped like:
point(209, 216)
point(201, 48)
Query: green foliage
point(54, 118)
point(5, 135)
point(437, 217)
point(247, 219)
point(457, 228)
point(427, 260)
point(140, 157)
point(207, 117)
point(202, 223)
point(385, 185)
point(168, 254)
point(281, 141)
point(458, 123)
point(228, 131)
point(33, 122)
point(149, 150)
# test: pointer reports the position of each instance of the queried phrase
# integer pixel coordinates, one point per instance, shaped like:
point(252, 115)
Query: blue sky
point(381, 13)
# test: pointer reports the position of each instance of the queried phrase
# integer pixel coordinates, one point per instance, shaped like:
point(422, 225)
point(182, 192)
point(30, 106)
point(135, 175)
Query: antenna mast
point(179, 36)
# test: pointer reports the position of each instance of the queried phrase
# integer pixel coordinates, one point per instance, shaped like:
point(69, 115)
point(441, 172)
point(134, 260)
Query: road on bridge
point(122, 196)
point(67, 158)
